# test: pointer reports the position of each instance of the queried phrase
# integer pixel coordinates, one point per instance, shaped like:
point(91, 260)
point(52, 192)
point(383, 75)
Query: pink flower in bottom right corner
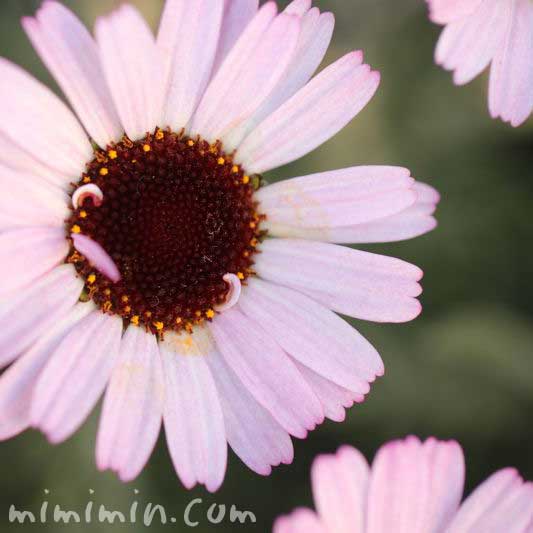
point(411, 487)
point(496, 32)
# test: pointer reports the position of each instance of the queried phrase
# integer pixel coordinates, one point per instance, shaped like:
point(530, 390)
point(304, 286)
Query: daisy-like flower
point(140, 256)
point(411, 487)
point(495, 32)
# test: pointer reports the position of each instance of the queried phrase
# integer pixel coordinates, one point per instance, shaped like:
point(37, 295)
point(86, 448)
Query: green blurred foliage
point(464, 370)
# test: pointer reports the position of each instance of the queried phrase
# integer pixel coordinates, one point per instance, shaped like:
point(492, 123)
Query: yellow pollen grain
point(190, 142)
point(125, 299)
point(148, 314)
point(159, 326)
point(246, 180)
point(159, 135)
point(107, 292)
point(221, 161)
point(240, 275)
point(91, 278)
point(83, 214)
point(147, 147)
point(76, 229)
point(246, 253)
point(198, 314)
point(112, 154)
point(253, 225)
point(210, 313)
point(86, 179)
point(235, 169)
point(179, 320)
point(107, 307)
point(104, 171)
point(135, 320)
point(127, 309)
point(253, 242)
point(134, 160)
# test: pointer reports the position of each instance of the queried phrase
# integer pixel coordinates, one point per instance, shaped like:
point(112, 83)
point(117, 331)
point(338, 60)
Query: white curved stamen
point(96, 256)
point(234, 292)
point(91, 191)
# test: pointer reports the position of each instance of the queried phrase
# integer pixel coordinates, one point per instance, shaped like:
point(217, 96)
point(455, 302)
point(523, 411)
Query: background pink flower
point(411, 487)
point(496, 32)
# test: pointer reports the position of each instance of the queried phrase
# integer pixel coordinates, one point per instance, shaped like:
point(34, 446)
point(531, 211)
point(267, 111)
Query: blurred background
point(463, 370)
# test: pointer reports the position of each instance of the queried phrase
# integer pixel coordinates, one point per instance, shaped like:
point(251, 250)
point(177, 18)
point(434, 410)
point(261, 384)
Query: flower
point(147, 261)
point(411, 487)
point(496, 32)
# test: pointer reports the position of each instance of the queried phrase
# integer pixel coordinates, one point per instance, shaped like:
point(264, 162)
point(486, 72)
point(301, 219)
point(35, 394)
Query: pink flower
point(495, 32)
point(150, 264)
point(411, 487)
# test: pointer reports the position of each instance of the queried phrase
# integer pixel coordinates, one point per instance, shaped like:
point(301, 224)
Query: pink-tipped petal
point(341, 198)
point(90, 191)
point(336, 351)
point(501, 503)
point(234, 293)
point(75, 376)
point(339, 490)
point(71, 55)
point(355, 283)
point(267, 372)
point(31, 312)
point(299, 7)
point(194, 423)
point(446, 11)
point(415, 486)
point(27, 254)
point(311, 117)
point(412, 222)
point(245, 419)
point(334, 399)
point(18, 381)
point(237, 15)
point(187, 40)
point(96, 256)
point(300, 521)
point(132, 68)
point(511, 76)
point(314, 40)
point(28, 201)
point(133, 406)
point(252, 69)
point(48, 129)
point(468, 45)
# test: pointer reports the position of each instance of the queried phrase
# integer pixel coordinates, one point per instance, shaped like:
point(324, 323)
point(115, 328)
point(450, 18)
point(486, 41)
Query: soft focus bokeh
point(463, 370)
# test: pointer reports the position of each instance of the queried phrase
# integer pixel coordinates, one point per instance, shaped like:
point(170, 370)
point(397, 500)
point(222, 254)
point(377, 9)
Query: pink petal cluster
point(280, 360)
point(496, 32)
point(411, 487)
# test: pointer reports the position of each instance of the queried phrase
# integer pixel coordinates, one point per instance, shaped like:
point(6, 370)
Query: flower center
point(176, 216)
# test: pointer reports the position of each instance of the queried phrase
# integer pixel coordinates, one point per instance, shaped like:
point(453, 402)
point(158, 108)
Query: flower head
point(411, 487)
point(147, 259)
point(496, 32)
